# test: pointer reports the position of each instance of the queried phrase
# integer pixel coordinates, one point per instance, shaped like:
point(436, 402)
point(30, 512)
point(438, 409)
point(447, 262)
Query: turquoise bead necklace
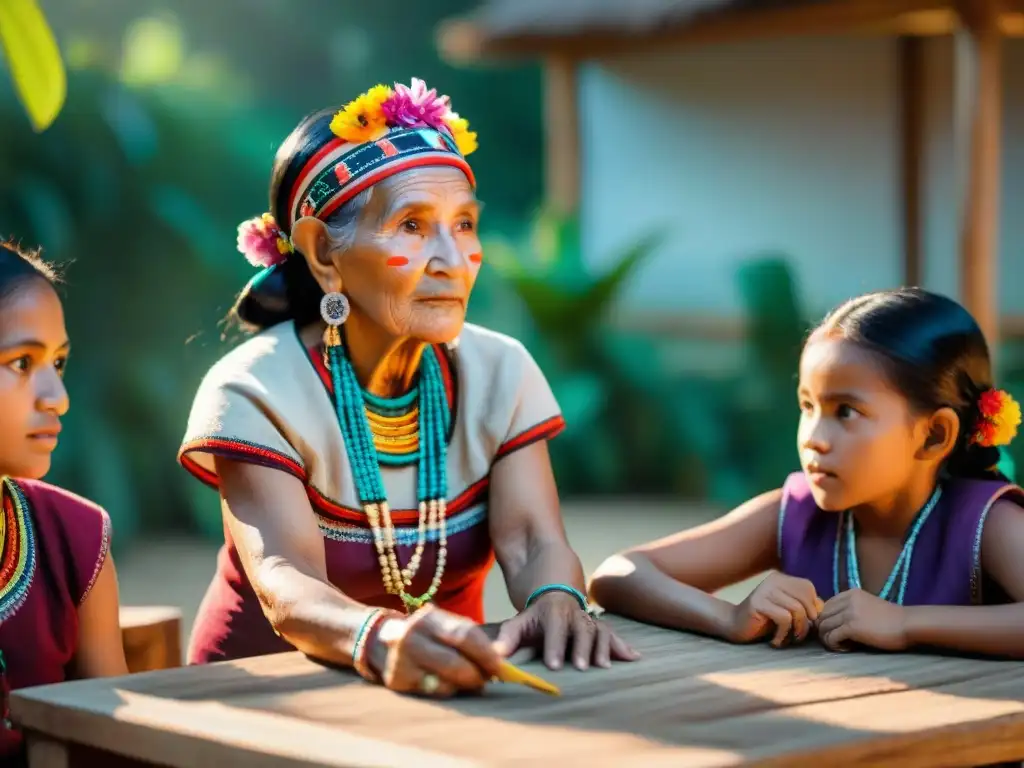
point(431, 480)
point(900, 570)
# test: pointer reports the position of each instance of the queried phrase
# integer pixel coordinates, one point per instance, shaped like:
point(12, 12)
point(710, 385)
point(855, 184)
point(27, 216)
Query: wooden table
point(690, 701)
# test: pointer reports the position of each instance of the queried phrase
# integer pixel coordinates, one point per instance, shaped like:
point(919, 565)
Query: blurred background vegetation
point(164, 144)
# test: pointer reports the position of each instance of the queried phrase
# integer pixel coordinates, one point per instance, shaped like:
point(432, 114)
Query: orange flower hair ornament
point(998, 420)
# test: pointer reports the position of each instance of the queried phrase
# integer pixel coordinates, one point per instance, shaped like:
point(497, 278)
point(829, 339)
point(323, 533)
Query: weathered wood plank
point(690, 699)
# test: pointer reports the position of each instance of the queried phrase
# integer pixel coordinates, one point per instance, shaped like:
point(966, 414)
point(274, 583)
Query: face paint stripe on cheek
point(476, 258)
point(397, 261)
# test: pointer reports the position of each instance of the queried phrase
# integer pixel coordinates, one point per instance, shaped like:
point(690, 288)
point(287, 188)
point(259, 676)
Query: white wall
point(788, 146)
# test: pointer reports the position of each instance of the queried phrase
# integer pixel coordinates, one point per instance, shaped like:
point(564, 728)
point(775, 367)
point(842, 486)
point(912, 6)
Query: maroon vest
point(53, 547)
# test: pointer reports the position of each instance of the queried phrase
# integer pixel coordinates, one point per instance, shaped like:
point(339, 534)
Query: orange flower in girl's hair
point(999, 419)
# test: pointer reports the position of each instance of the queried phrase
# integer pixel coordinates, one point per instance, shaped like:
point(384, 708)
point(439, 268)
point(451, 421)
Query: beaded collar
point(900, 570)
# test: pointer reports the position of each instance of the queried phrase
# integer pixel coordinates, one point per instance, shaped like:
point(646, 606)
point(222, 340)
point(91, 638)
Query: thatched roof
point(499, 28)
point(555, 18)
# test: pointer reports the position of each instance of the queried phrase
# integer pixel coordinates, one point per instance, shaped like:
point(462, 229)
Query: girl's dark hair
point(19, 266)
point(934, 353)
point(290, 292)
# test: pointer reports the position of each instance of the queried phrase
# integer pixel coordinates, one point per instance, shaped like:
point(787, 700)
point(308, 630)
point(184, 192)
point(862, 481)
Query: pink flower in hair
point(262, 241)
point(415, 106)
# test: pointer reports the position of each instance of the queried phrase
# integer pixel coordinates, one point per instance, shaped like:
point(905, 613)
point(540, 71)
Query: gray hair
point(344, 222)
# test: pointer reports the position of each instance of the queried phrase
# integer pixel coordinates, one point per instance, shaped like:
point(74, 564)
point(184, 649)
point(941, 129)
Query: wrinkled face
point(857, 439)
point(416, 255)
point(33, 353)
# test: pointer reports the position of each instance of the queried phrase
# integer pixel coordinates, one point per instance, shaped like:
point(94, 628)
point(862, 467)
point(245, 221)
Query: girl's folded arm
point(670, 581)
point(996, 630)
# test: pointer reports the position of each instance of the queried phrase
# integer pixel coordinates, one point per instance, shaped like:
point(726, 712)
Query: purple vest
point(946, 567)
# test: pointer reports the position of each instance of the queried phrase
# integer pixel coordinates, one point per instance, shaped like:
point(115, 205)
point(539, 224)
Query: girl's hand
point(785, 604)
point(433, 653)
point(856, 616)
point(551, 622)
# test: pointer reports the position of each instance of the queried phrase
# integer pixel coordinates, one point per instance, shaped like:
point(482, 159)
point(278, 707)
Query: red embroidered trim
point(314, 161)
point(390, 169)
point(237, 449)
point(11, 543)
point(332, 509)
point(329, 508)
point(342, 172)
point(316, 356)
point(546, 430)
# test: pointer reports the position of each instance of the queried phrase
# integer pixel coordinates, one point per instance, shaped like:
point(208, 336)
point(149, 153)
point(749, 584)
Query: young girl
point(58, 588)
point(900, 532)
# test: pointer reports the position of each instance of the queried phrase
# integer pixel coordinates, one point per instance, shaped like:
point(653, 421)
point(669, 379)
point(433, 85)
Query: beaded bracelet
point(360, 649)
point(569, 590)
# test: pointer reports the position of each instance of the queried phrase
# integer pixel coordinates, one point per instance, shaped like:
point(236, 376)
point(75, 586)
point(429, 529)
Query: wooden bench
point(151, 636)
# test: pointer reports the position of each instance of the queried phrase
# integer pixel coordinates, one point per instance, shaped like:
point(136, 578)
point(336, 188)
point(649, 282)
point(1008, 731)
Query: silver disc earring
point(334, 309)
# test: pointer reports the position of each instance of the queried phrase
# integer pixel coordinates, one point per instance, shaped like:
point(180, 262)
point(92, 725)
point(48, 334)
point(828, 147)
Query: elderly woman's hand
point(556, 623)
point(433, 653)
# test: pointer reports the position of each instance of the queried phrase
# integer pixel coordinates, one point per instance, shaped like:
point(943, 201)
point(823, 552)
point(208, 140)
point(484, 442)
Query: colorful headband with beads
point(382, 132)
point(999, 417)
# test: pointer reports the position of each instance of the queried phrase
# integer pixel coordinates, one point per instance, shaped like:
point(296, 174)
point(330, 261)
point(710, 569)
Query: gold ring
point(429, 684)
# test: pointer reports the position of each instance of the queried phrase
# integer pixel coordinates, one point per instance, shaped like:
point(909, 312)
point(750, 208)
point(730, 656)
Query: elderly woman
point(373, 452)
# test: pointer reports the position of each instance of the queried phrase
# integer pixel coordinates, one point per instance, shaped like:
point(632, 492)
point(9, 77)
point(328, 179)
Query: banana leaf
point(34, 60)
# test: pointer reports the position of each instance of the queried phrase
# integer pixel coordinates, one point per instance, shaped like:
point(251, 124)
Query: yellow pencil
point(510, 673)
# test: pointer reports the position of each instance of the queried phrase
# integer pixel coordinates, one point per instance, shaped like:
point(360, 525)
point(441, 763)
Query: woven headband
point(341, 170)
point(383, 132)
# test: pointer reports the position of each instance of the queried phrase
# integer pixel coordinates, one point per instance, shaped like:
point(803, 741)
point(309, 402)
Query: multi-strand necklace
point(900, 571)
point(387, 430)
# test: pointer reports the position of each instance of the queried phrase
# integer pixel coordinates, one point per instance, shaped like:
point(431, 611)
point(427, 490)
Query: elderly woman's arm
point(533, 551)
point(282, 551)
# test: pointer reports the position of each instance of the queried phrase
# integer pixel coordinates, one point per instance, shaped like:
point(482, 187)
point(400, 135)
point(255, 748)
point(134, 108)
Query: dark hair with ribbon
point(19, 266)
point(934, 353)
point(289, 291)
point(326, 168)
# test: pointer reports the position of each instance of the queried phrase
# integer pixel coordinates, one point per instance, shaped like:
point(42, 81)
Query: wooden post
point(562, 134)
point(910, 65)
point(978, 128)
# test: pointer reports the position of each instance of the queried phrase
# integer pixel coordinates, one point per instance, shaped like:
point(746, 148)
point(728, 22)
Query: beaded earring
point(334, 309)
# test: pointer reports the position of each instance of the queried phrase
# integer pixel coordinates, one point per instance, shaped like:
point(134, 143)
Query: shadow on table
point(720, 703)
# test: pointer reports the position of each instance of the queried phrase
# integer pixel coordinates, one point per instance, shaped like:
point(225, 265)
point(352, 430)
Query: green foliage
point(634, 425)
point(101, 192)
point(173, 115)
point(34, 60)
point(564, 321)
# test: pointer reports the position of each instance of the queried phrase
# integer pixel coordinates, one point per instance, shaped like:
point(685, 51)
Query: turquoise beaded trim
point(900, 570)
point(569, 590)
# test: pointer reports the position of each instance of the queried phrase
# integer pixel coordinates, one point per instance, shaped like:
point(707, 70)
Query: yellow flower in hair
point(1000, 417)
point(1006, 422)
point(465, 139)
point(363, 119)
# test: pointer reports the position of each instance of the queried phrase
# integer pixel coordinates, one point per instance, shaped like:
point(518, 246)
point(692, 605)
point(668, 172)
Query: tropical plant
point(634, 425)
point(608, 383)
point(140, 235)
point(34, 60)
